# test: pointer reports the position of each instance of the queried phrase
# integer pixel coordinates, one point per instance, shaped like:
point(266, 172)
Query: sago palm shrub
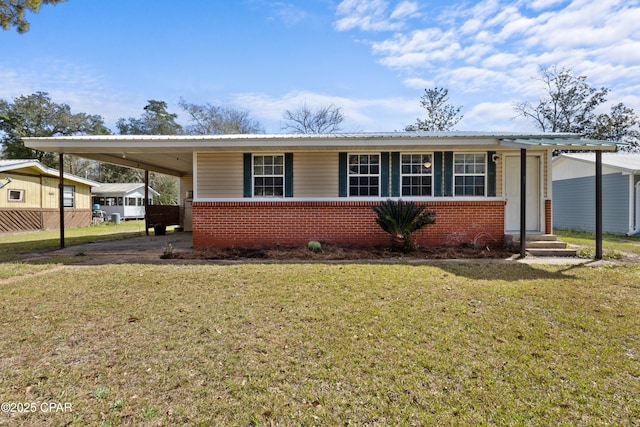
point(401, 219)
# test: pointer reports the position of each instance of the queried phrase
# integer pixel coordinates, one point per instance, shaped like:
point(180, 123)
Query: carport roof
point(173, 154)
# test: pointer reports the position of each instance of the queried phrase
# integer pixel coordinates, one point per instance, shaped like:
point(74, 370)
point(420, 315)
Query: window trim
point(378, 175)
point(431, 174)
point(484, 175)
point(253, 175)
point(21, 199)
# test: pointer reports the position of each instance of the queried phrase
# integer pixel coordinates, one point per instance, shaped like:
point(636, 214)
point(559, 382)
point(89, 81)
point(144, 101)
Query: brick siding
point(548, 227)
point(251, 223)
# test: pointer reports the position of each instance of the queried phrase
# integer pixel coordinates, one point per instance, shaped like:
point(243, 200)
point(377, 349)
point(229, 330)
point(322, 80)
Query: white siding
point(315, 174)
point(219, 175)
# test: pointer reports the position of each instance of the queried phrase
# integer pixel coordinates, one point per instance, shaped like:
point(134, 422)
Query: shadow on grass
point(508, 271)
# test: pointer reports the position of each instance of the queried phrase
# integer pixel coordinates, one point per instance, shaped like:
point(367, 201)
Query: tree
point(401, 219)
point(620, 125)
point(211, 119)
point(324, 119)
point(441, 115)
point(155, 120)
point(36, 115)
point(12, 12)
point(568, 105)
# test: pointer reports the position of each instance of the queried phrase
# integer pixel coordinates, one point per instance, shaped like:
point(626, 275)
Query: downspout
point(61, 197)
point(634, 191)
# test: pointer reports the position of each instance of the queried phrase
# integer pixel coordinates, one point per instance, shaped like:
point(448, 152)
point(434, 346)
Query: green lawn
point(16, 244)
point(613, 246)
point(322, 344)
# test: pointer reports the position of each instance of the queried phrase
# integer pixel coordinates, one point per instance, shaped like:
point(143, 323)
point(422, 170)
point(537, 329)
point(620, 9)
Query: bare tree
point(441, 115)
point(325, 119)
point(211, 119)
point(568, 104)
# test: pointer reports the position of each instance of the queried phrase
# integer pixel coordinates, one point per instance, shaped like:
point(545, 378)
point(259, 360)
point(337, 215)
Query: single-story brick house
point(288, 189)
point(573, 184)
point(30, 197)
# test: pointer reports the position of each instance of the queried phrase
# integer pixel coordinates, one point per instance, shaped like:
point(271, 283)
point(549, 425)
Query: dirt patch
point(342, 252)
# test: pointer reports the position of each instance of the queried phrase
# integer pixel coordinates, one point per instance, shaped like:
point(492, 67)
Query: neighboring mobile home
point(125, 199)
point(29, 197)
point(288, 189)
point(574, 195)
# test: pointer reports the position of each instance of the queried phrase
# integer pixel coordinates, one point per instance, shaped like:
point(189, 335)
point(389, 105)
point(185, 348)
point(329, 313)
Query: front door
point(512, 193)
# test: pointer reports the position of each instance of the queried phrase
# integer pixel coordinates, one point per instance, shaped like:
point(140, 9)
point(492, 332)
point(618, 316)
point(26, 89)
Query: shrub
point(314, 246)
point(402, 219)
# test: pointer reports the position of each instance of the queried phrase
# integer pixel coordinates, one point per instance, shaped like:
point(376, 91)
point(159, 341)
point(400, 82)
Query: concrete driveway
point(147, 245)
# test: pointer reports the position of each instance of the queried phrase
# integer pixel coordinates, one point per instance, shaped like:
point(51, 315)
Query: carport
point(174, 155)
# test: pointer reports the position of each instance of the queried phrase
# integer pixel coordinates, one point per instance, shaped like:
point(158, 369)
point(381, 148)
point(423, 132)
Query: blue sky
point(372, 58)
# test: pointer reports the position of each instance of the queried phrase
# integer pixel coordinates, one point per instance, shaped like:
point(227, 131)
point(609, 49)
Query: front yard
point(320, 344)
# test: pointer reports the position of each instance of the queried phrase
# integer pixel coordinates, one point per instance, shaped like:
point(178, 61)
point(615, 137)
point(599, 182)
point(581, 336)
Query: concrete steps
point(541, 245)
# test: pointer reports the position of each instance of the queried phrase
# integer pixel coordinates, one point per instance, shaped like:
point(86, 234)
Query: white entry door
point(512, 193)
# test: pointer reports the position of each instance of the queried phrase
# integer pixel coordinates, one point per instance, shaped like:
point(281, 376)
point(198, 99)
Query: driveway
point(144, 245)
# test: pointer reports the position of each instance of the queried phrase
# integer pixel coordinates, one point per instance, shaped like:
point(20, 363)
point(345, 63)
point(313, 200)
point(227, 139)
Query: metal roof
point(624, 162)
point(13, 164)
point(173, 154)
point(570, 143)
point(121, 188)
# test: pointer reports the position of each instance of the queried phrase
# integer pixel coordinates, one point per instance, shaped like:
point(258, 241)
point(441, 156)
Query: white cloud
point(374, 15)
point(418, 83)
point(288, 13)
point(405, 9)
point(492, 51)
point(494, 116)
point(361, 115)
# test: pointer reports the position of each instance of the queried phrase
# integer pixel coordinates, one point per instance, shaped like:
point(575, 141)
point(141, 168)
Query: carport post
point(523, 202)
point(61, 197)
point(146, 200)
point(598, 204)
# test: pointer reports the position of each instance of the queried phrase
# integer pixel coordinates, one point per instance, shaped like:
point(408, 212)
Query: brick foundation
point(247, 224)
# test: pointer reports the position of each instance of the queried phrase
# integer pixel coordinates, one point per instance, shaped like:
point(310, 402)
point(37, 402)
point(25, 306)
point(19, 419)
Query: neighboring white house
point(574, 194)
point(125, 199)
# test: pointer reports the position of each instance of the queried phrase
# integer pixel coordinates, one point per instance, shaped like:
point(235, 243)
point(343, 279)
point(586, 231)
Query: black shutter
point(395, 174)
point(491, 174)
point(342, 174)
point(448, 173)
point(247, 182)
point(288, 174)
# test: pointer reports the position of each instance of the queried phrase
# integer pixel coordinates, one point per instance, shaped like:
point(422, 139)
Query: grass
point(323, 344)
point(15, 244)
point(613, 246)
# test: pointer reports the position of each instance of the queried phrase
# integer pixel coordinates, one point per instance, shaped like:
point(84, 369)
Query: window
point(469, 174)
point(16, 195)
point(364, 174)
point(268, 176)
point(68, 196)
point(417, 174)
